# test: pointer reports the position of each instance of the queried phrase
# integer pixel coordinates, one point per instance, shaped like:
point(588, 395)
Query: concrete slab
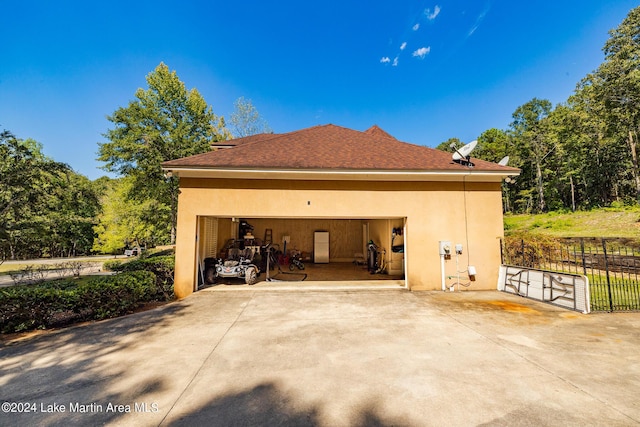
point(339, 272)
point(307, 285)
point(331, 357)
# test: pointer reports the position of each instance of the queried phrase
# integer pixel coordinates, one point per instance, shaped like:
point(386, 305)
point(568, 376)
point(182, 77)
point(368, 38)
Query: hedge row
point(62, 302)
point(162, 266)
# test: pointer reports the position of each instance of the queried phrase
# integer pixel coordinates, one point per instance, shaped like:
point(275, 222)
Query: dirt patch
point(511, 307)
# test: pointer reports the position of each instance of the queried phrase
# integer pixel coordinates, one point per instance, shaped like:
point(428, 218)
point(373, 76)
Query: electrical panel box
point(445, 247)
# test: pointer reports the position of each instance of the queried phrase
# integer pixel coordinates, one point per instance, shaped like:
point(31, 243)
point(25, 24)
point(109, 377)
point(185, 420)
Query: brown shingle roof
point(239, 141)
point(377, 131)
point(329, 147)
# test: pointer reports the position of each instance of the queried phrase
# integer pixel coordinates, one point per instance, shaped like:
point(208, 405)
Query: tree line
point(581, 153)
point(45, 207)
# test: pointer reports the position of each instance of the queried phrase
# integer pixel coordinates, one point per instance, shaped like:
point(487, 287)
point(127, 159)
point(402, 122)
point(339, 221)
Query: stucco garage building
point(356, 185)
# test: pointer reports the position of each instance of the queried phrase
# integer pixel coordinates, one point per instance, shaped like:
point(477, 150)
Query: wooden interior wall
point(225, 231)
point(345, 235)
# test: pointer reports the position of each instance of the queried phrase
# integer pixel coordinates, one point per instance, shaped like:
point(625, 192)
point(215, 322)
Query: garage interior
point(347, 258)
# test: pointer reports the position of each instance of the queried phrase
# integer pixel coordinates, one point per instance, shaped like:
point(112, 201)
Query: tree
point(493, 145)
point(530, 132)
point(246, 120)
point(591, 167)
point(446, 145)
point(164, 122)
point(27, 182)
point(617, 83)
point(124, 222)
point(72, 207)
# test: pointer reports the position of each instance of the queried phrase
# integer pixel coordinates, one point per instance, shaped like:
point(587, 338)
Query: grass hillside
point(606, 222)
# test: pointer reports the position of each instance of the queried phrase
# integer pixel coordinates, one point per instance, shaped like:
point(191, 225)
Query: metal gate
point(611, 265)
point(565, 290)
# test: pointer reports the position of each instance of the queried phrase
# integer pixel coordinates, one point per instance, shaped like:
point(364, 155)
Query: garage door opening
point(331, 250)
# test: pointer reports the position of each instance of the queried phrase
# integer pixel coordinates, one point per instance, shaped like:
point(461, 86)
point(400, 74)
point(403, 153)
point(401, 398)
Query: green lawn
point(12, 268)
point(605, 222)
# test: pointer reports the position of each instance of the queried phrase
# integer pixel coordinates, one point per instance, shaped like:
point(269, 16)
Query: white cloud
point(395, 62)
point(385, 60)
point(403, 45)
point(422, 52)
point(415, 27)
point(432, 15)
point(479, 20)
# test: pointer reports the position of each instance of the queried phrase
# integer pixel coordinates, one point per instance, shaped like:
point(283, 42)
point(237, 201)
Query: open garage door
point(207, 244)
point(348, 238)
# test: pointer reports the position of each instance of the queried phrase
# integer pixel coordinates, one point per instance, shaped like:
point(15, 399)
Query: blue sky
point(424, 71)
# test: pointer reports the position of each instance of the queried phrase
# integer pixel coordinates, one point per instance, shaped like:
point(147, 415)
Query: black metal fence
point(612, 266)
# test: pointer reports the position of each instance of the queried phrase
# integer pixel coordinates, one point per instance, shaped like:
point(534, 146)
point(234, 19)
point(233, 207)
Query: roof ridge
point(376, 130)
point(268, 136)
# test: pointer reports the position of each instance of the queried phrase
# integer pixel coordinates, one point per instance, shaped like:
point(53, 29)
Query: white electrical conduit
point(444, 287)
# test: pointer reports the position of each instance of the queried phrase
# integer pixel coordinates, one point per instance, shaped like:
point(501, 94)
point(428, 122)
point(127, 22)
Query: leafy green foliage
point(62, 302)
point(45, 208)
point(532, 142)
point(125, 222)
point(446, 145)
point(493, 145)
point(162, 266)
point(164, 122)
point(111, 296)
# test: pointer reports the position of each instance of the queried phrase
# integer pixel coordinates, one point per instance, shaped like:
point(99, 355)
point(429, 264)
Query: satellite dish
point(504, 161)
point(461, 155)
point(464, 151)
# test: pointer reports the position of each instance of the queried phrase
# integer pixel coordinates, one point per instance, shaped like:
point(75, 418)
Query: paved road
point(41, 261)
point(332, 358)
point(94, 266)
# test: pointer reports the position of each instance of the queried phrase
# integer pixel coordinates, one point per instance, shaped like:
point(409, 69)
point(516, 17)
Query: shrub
point(531, 253)
point(110, 296)
point(29, 307)
point(112, 265)
point(163, 266)
point(58, 303)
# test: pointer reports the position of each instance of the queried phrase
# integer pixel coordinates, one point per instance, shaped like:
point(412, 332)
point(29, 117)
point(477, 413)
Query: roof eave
point(343, 174)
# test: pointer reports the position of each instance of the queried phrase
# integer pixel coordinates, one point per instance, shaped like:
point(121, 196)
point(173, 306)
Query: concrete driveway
point(331, 358)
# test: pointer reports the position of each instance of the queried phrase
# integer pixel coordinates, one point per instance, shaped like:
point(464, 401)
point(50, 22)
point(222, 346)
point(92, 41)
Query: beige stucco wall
point(467, 213)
